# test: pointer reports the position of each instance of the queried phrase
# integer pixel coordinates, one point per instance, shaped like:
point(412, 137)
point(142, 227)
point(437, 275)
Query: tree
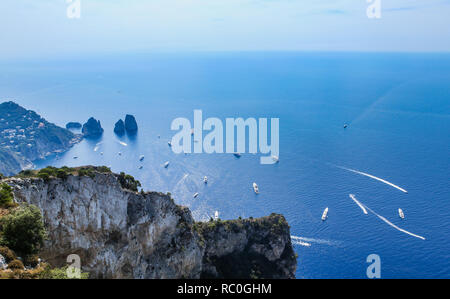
point(23, 230)
point(6, 196)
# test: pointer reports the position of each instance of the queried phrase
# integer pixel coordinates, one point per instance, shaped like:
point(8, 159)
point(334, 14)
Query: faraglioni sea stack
point(92, 128)
point(130, 124)
point(119, 127)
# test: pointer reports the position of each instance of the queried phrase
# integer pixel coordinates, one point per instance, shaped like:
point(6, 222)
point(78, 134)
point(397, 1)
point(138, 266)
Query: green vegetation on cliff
point(6, 196)
point(22, 230)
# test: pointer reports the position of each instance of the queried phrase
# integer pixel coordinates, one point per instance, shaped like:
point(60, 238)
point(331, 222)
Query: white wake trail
point(311, 240)
point(395, 226)
point(374, 177)
point(301, 243)
point(352, 196)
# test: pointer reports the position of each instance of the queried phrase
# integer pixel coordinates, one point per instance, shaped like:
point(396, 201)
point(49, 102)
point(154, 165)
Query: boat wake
point(395, 226)
point(374, 177)
point(97, 146)
point(352, 196)
point(303, 241)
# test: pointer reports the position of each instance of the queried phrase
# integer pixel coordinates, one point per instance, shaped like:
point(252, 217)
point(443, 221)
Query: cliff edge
point(119, 233)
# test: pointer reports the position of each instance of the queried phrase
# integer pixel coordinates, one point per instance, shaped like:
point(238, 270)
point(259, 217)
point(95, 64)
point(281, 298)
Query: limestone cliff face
point(124, 234)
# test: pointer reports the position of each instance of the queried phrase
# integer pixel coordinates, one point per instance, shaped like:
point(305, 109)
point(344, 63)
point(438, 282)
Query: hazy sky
point(30, 28)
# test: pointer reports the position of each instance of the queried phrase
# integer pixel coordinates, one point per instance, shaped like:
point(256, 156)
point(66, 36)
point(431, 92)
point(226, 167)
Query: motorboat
point(256, 188)
point(325, 214)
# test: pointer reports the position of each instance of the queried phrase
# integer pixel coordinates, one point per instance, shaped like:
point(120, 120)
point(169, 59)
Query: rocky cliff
point(123, 234)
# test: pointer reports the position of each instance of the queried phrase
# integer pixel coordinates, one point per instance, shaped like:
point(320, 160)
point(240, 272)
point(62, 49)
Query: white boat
point(192, 132)
point(276, 159)
point(205, 179)
point(216, 215)
point(401, 214)
point(325, 214)
point(140, 167)
point(237, 155)
point(256, 188)
point(101, 153)
point(169, 143)
point(196, 195)
point(141, 158)
point(120, 154)
point(75, 157)
point(166, 164)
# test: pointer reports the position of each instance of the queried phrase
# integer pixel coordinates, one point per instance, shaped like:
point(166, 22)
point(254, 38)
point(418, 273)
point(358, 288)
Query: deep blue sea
point(397, 107)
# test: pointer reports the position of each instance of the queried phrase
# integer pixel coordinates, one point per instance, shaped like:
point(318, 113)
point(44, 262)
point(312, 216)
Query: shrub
point(23, 230)
point(2, 176)
point(128, 182)
point(32, 260)
point(58, 273)
point(16, 264)
point(6, 196)
point(7, 253)
point(26, 173)
point(44, 176)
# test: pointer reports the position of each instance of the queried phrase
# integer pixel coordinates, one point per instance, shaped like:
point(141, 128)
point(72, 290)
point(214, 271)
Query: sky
point(41, 28)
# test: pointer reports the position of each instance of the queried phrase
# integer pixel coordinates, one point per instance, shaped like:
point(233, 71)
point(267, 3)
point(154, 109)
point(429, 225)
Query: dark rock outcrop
point(130, 124)
point(73, 125)
point(247, 248)
point(25, 137)
point(119, 127)
point(123, 234)
point(92, 128)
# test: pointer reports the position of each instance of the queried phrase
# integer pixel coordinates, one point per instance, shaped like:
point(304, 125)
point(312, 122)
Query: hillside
point(25, 137)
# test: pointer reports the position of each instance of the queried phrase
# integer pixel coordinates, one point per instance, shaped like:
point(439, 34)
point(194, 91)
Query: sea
point(396, 107)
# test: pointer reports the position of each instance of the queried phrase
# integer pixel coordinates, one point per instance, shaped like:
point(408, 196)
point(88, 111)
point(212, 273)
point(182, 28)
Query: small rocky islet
point(92, 128)
point(128, 126)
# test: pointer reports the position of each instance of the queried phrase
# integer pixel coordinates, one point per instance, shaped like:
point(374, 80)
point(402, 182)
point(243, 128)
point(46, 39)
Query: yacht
point(345, 126)
point(196, 195)
point(141, 158)
point(205, 179)
point(256, 188)
point(325, 214)
point(140, 167)
point(237, 155)
point(169, 143)
point(401, 214)
point(166, 164)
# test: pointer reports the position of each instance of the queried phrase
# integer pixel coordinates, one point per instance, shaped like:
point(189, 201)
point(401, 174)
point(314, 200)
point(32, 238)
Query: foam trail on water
point(97, 146)
point(395, 226)
point(352, 196)
point(311, 240)
point(374, 177)
point(301, 243)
